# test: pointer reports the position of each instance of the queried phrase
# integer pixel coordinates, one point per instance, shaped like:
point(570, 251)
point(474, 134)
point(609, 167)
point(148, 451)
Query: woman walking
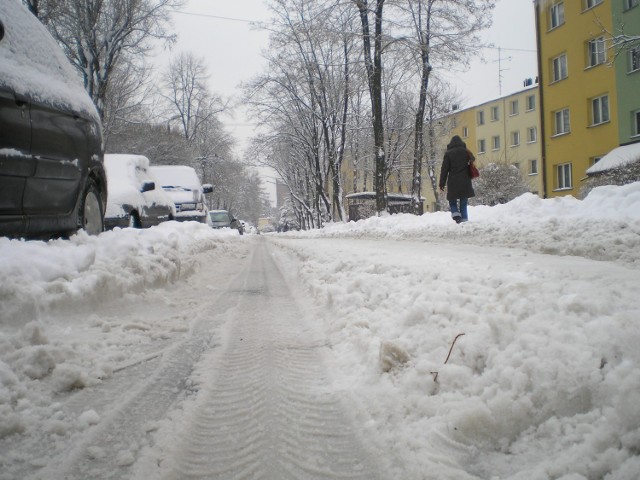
point(455, 175)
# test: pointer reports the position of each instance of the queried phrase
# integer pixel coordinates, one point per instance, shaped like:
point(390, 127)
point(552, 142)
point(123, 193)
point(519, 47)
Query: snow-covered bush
point(621, 175)
point(498, 183)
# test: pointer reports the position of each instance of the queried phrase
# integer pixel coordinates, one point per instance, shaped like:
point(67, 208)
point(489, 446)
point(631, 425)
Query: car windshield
point(219, 217)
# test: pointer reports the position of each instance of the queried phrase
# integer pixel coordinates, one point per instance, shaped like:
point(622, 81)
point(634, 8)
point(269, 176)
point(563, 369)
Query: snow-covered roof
point(32, 63)
point(617, 157)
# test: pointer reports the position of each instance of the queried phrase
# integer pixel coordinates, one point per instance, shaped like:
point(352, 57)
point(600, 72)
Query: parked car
point(223, 219)
point(52, 178)
point(135, 197)
point(184, 187)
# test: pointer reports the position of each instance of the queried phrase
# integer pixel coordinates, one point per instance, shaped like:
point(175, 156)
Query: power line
point(491, 47)
point(218, 17)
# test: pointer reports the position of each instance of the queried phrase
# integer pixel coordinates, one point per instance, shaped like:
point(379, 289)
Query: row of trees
point(175, 119)
point(358, 81)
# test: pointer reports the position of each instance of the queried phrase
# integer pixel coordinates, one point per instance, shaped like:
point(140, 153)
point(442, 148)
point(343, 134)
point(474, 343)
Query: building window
point(533, 167)
point(495, 142)
point(495, 114)
point(562, 124)
point(628, 4)
point(594, 160)
point(532, 135)
point(482, 147)
point(531, 103)
point(481, 117)
point(559, 67)
point(465, 132)
point(634, 59)
point(514, 108)
point(591, 3)
point(515, 138)
point(600, 110)
point(556, 15)
point(564, 176)
point(597, 51)
point(636, 123)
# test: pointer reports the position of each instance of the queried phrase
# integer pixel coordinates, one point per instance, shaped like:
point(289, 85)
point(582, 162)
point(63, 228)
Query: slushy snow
point(543, 381)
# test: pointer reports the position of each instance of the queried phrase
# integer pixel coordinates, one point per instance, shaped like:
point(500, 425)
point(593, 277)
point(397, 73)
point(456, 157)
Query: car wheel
point(134, 220)
point(91, 211)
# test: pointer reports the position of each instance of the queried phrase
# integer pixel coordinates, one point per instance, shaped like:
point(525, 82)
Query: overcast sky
point(220, 31)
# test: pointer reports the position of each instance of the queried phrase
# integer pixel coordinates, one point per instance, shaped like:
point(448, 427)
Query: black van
point(52, 179)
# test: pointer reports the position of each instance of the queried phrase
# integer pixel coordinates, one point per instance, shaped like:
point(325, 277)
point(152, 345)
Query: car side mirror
point(148, 186)
point(207, 188)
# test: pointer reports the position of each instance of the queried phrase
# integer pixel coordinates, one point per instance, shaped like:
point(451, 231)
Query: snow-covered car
point(183, 186)
point(52, 178)
point(224, 219)
point(135, 197)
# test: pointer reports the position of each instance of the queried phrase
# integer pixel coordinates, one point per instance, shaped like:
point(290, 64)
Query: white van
point(184, 187)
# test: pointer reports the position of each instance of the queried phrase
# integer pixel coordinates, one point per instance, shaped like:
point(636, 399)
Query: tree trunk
point(374, 74)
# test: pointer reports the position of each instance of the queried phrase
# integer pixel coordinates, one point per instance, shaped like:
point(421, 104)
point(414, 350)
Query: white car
point(184, 187)
point(135, 197)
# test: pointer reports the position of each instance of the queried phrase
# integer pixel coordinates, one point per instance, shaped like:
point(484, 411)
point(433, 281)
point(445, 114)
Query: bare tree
point(373, 64)
point(440, 33)
point(45, 10)
point(98, 35)
point(191, 106)
point(306, 32)
point(126, 99)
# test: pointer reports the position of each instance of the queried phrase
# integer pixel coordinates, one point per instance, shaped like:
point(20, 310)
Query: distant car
point(135, 197)
point(184, 187)
point(52, 179)
point(223, 219)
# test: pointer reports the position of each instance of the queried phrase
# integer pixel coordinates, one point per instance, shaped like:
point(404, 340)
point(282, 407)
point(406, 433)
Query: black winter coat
point(455, 170)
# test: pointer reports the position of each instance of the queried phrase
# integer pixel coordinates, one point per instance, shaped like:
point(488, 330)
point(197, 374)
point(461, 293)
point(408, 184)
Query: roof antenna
point(500, 69)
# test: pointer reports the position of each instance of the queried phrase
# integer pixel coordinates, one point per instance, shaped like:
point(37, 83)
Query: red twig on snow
point(435, 374)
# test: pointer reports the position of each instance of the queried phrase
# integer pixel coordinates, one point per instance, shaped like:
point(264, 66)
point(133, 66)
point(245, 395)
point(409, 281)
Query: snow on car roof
point(177, 176)
point(121, 166)
point(32, 64)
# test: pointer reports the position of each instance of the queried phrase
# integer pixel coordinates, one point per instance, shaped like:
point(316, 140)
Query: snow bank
point(37, 278)
point(603, 226)
point(52, 343)
point(544, 382)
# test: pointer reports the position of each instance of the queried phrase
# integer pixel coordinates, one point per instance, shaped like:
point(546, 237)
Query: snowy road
point(182, 352)
point(245, 392)
point(269, 410)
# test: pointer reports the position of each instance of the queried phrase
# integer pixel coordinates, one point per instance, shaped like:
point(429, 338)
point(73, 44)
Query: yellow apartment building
point(578, 89)
point(505, 130)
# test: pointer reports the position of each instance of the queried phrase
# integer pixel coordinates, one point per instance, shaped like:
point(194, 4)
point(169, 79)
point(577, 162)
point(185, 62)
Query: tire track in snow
point(269, 411)
point(134, 401)
point(112, 445)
